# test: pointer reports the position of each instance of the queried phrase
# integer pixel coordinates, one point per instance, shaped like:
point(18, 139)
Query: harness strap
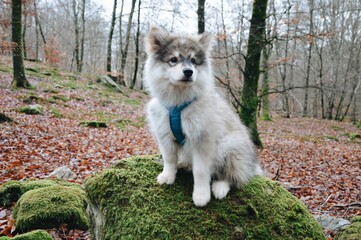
point(175, 121)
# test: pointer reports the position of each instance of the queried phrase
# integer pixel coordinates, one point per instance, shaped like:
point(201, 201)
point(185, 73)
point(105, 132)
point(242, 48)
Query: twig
point(356, 205)
point(324, 202)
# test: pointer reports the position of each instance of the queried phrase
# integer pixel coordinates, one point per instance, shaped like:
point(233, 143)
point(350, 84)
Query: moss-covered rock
point(94, 124)
point(49, 207)
point(127, 203)
point(4, 118)
point(353, 232)
point(32, 109)
point(34, 235)
point(11, 191)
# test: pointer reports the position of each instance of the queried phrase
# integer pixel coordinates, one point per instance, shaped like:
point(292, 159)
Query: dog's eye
point(173, 60)
point(193, 60)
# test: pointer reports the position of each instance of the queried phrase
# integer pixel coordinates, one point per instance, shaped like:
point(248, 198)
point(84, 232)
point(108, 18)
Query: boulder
point(94, 124)
point(4, 118)
point(108, 81)
point(50, 207)
point(11, 191)
point(34, 109)
point(127, 203)
point(332, 223)
point(63, 172)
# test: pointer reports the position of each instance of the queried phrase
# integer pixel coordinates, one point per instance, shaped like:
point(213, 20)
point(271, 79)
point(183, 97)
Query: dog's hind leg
point(220, 188)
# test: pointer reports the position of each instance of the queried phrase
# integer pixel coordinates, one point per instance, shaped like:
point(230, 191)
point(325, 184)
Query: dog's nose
point(187, 72)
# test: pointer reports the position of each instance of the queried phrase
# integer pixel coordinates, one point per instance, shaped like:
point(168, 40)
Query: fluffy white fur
point(217, 144)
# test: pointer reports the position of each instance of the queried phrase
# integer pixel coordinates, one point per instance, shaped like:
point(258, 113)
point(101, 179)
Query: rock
point(63, 172)
point(353, 232)
point(108, 81)
point(33, 235)
point(50, 207)
point(34, 109)
point(4, 118)
point(127, 202)
point(94, 124)
point(331, 223)
point(11, 191)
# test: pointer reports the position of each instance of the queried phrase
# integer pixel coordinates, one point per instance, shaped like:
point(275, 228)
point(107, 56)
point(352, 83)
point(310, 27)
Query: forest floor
point(316, 160)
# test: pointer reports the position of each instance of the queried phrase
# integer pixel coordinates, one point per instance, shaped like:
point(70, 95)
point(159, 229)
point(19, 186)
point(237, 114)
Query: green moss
point(49, 207)
point(32, 109)
point(11, 191)
point(358, 124)
point(56, 112)
point(34, 99)
point(4, 118)
point(354, 136)
point(132, 101)
point(5, 69)
point(135, 206)
point(353, 232)
point(60, 97)
point(34, 235)
point(94, 124)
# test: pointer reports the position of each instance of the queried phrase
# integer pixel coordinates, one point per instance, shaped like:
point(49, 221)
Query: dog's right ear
point(156, 39)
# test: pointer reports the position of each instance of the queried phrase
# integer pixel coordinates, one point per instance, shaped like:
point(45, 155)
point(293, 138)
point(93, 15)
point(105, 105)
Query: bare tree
point(19, 78)
point(200, 13)
point(79, 31)
point(110, 40)
point(127, 38)
point(137, 53)
point(309, 56)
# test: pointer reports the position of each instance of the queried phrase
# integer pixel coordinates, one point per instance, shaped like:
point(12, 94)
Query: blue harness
point(175, 121)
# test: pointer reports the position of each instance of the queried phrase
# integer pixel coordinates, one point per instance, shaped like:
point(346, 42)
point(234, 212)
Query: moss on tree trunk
point(256, 41)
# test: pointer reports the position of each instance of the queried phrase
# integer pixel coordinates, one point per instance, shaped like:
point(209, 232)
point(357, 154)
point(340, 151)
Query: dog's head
point(181, 57)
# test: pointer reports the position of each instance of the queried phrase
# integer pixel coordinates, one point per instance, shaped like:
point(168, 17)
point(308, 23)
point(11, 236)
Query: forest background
point(309, 86)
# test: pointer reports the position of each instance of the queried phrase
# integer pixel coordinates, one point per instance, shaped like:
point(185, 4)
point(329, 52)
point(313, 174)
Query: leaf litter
point(316, 160)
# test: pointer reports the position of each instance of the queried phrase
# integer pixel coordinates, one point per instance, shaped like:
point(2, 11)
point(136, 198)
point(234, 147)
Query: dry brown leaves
point(317, 160)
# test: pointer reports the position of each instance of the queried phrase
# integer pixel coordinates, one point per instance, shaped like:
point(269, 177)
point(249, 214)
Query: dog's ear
point(156, 39)
point(205, 40)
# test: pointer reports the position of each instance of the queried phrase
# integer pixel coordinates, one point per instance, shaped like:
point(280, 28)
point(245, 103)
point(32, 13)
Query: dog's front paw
point(220, 189)
point(201, 197)
point(166, 177)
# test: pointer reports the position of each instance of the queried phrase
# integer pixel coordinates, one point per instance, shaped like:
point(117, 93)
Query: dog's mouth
point(187, 79)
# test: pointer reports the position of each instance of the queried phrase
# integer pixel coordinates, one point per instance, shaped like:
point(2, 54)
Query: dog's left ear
point(205, 40)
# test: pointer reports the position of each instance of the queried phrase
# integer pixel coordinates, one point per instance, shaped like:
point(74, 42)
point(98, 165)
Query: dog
point(193, 124)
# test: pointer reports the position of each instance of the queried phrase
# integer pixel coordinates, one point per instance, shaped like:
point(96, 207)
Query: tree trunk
point(127, 37)
point(81, 57)
point(136, 49)
point(24, 34)
point(79, 36)
point(19, 79)
point(308, 70)
point(110, 39)
point(256, 41)
point(200, 13)
point(76, 33)
point(265, 84)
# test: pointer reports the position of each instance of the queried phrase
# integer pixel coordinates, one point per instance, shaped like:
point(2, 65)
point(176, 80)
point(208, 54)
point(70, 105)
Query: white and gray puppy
point(191, 121)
